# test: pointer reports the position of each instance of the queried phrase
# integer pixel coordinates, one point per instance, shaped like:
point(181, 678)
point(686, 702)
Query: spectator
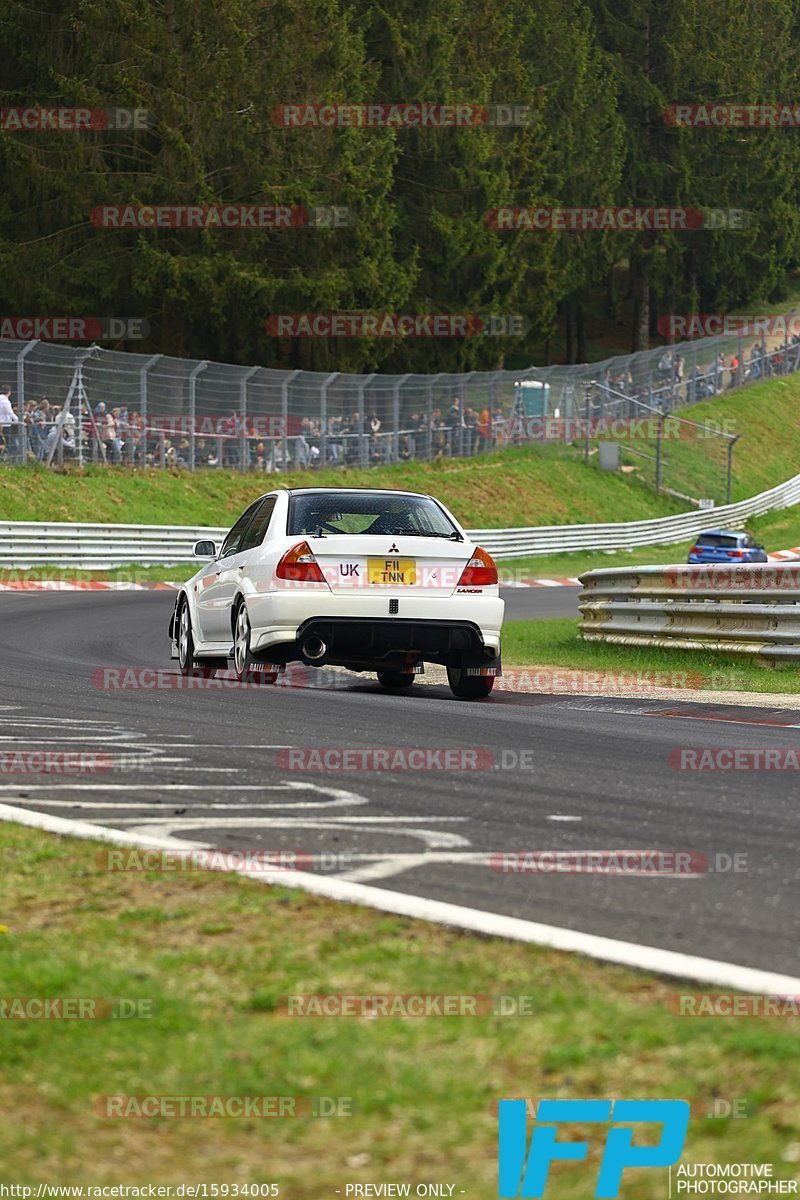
point(455, 424)
point(108, 434)
point(485, 429)
point(470, 431)
point(734, 369)
point(405, 450)
point(7, 418)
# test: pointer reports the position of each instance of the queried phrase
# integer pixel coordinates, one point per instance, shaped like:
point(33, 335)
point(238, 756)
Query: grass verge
point(555, 643)
point(216, 954)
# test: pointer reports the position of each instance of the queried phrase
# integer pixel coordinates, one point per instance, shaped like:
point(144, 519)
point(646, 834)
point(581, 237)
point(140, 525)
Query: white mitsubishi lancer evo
point(370, 580)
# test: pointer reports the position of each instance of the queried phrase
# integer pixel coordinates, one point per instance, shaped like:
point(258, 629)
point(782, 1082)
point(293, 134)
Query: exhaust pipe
point(313, 648)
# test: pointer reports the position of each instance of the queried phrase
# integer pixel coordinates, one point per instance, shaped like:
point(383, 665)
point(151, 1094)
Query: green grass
point(537, 485)
point(216, 955)
point(556, 643)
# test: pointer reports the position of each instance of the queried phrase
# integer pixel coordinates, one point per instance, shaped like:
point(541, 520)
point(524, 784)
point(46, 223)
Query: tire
point(469, 687)
point(395, 679)
point(188, 662)
point(243, 661)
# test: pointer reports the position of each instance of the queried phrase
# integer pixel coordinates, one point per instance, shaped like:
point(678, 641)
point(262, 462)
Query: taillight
point(694, 550)
point(736, 554)
point(299, 565)
point(480, 571)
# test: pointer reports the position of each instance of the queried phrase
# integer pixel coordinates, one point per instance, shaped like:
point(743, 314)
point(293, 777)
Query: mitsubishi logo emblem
point(393, 549)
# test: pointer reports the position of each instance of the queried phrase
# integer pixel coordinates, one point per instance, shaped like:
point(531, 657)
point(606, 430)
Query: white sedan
point(360, 578)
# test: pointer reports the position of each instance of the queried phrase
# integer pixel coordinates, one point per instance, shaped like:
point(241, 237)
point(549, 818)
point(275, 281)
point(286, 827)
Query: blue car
point(725, 546)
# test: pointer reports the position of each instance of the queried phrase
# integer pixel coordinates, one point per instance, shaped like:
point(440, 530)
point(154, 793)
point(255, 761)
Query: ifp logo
point(519, 1178)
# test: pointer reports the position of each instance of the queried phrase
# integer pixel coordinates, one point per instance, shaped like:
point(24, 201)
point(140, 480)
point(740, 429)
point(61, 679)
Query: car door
point(235, 564)
point(215, 588)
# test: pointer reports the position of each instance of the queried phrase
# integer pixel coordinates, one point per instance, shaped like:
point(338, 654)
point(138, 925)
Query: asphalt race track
point(569, 773)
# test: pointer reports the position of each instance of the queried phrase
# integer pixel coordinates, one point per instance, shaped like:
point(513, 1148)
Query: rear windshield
point(317, 513)
point(717, 539)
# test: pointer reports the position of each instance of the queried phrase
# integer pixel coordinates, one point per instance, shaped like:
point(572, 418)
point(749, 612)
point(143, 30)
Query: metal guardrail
point(631, 535)
point(27, 544)
point(30, 544)
point(746, 609)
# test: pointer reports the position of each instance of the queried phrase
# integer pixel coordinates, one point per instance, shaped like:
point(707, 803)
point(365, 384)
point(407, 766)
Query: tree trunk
point(580, 334)
point(640, 278)
point(569, 339)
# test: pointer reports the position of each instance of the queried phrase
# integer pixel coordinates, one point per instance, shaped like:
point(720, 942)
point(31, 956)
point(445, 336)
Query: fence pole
point(659, 461)
point(21, 394)
point(731, 444)
point(363, 443)
point(396, 417)
point(143, 403)
point(201, 366)
point(323, 417)
point(243, 451)
point(587, 393)
point(285, 415)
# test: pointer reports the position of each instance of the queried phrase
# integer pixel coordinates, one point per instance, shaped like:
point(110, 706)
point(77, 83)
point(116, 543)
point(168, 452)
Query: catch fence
point(93, 405)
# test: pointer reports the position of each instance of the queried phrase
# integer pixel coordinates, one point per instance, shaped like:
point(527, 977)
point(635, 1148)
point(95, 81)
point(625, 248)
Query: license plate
point(397, 572)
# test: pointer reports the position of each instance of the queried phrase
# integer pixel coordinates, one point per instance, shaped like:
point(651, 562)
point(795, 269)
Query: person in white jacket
point(8, 417)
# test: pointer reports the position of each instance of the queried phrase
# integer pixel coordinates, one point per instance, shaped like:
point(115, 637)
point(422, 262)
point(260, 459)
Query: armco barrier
point(629, 535)
point(26, 544)
point(746, 609)
point(29, 544)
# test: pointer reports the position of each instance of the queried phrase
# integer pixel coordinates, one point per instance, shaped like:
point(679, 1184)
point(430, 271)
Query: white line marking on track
point(630, 954)
point(149, 787)
point(562, 817)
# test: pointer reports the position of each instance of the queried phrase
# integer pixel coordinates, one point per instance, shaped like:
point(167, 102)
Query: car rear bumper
point(364, 628)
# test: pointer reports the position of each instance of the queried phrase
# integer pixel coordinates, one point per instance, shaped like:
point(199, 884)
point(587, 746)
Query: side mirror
point(205, 550)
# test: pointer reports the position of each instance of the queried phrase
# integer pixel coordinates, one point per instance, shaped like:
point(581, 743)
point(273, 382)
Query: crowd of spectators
point(118, 436)
point(41, 432)
point(673, 385)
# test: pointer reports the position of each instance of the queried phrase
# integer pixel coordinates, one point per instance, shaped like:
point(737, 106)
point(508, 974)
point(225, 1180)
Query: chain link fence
point(93, 405)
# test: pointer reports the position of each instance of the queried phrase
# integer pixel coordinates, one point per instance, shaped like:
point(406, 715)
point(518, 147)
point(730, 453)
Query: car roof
point(724, 532)
point(334, 491)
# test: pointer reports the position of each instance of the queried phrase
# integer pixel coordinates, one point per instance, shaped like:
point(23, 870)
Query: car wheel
point(469, 687)
point(395, 679)
point(243, 660)
point(188, 663)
